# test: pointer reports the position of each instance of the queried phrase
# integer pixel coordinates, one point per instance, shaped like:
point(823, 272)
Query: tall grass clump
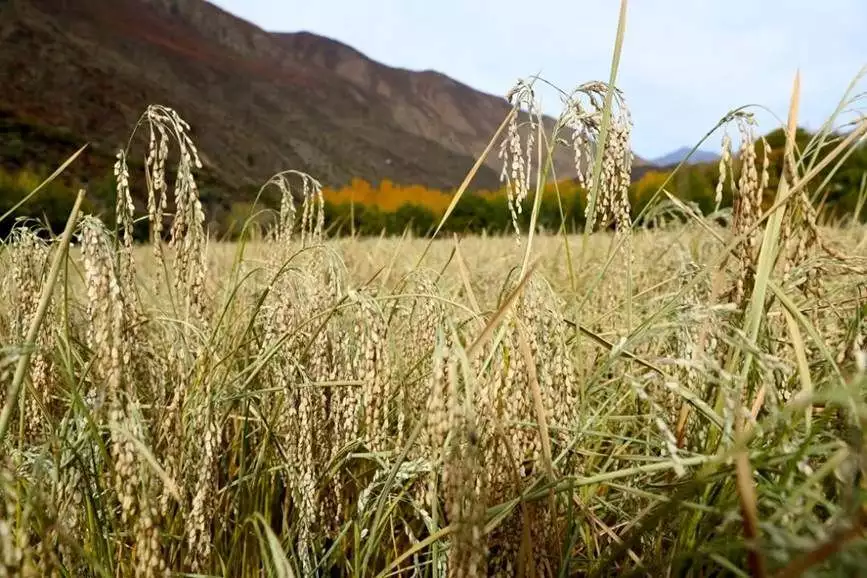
point(676, 401)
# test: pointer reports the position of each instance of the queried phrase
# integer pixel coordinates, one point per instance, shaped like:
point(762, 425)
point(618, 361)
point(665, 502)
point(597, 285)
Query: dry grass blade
point(855, 136)
point(538, 404)
point(465, 277)
point(466, 183)
point(44, 183)
point(749, 512)
point(758, 402)
point(611, 347)
point(799, 348)
point(500, 313)
point(696, 218)
point(593, 197)
point(611, 534)
point(812, 332)
point(271, 548)
point(537, 201)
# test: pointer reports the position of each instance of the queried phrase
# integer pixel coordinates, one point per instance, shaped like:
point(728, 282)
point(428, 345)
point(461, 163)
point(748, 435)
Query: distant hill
point(258, 102)
point(676, 157)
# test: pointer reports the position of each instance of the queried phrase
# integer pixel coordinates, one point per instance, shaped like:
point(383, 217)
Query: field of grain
point(338, 407)
point(681, 399)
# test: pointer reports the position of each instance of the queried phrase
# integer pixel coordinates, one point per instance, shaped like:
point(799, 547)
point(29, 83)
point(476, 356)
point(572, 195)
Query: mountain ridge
point(258, 102)
point(676, 156)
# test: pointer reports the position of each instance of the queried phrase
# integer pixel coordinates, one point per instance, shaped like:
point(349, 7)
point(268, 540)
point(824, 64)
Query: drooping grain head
point(725, 162)
point(516, 151)
point(286, 222)
point(105, 309)
point(748, 192)
point(124, 207)
point(583, 116)
point(311, 223)
point(188, 240)
point(155, 174)
point(312, 212)
point(28, 256)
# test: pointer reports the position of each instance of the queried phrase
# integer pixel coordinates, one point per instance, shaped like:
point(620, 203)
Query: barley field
point(681, 395)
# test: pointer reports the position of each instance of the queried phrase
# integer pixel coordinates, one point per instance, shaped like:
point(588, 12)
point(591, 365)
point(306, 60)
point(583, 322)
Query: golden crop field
point(682, 399)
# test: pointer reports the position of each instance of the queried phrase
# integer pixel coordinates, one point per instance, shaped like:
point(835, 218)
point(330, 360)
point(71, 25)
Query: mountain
point(75, 71)
point(675, 157)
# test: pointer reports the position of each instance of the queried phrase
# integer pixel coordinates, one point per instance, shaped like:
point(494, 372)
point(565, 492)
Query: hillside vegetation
point(257, 101)
point(363, 208)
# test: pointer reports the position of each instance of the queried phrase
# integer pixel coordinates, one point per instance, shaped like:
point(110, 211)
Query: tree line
point(364, 208)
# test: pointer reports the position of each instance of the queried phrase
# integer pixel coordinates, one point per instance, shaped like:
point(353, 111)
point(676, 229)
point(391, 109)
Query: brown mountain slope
point(258, 102)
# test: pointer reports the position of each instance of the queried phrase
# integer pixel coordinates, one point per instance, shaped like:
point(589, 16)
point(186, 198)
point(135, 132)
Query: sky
point(684, 64)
